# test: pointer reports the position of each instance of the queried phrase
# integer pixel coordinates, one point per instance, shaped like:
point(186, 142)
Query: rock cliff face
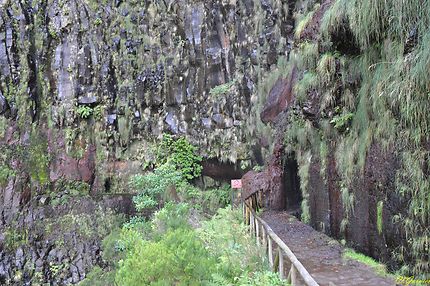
point(348, 107)
point(88, 87)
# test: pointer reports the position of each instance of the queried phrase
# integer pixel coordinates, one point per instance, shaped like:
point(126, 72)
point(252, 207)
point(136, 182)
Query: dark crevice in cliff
point(291, 187)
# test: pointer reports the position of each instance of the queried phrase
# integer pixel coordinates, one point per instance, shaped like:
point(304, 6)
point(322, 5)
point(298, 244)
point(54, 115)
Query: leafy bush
point(99, 277)
point(172, 216)
point(84, 111)
point(213, 199)
point(207, 200)
point(167, 251)
point(342, 120)
point(227, 239)
point(179, 258)
point(152, 186)
point(181, 154)
point(98, 112)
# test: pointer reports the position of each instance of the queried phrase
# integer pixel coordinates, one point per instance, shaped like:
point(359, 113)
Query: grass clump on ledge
point(222, 89)
point(378, 267)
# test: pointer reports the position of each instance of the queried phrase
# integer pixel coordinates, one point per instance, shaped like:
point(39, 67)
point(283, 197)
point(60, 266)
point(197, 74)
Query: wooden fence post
point(263, 235)
point(277, 259)
point(252, 222)
point(281, 263)
point(293, 275)
point(270, 252)
point(257, 232)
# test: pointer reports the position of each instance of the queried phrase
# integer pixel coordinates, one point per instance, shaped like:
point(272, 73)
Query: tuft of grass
point(306, 84)
point(303, 21)
point(306, 56)
point(222, 89)
point(326, 68)
point(379, 268)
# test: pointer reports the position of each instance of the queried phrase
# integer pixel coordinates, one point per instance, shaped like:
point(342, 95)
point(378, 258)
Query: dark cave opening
point(292, 194)
point(107, 185)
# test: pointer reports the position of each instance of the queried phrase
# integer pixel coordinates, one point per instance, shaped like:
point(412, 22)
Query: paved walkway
point(321, 255)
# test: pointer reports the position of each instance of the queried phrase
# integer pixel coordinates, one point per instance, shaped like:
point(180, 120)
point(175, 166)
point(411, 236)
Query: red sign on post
point(236, 184)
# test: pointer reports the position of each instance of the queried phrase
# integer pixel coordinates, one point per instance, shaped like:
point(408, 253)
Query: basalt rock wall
point(87, 88)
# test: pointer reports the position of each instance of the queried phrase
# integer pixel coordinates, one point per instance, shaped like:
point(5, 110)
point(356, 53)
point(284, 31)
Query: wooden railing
point(279, 254)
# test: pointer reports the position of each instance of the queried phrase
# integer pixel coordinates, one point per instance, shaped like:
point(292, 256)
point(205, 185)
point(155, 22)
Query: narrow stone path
point(321, 255)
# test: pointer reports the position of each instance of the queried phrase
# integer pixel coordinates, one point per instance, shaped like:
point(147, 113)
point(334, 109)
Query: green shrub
point(99, 277)
point(226, 238)
point(305, 85)
point(167, 251)
point(179, 258)
point(181, 154)
point(153, 186)
point(341, 121)
point(84, 111)
point(216, 198)
point(172, 216)
point(260, 278)
point(209, 201)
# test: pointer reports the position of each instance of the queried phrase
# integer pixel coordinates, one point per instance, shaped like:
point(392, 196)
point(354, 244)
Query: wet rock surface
point(280, 96)
point(87, 89)
point(57, 242)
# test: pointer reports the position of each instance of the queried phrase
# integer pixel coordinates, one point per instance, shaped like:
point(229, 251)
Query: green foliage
point(152, 186)
point(65, 190)
point(179, 258)
point(170, 217)
point(167, 251)
point(181, 154)
point(14, 238)
point(413, 185)
point(209, 200)
point(348, 202)
point(259, 278)
point(305, 85)
point(307, 56)
point(84, 111)
point(326, 68)
point(38, 159)
point(341, 121)
point(98, 22)
point(302, 24)
point(98, 112)
point(99, 277)
point(5, 174)
point(82, 225)
point(258, 168)
point(226, 238)
point(378, 267)
point(304, 161)
point(222, 89)
point(74, 187)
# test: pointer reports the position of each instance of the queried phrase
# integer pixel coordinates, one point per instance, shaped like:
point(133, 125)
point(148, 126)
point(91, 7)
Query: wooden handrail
point(269, 236)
